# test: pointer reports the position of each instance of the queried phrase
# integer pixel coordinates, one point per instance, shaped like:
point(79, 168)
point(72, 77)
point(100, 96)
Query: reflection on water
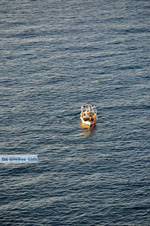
point(86, 130)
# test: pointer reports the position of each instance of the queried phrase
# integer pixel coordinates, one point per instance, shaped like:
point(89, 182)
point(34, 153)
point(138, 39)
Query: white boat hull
point(87, 122)
point(88, 115)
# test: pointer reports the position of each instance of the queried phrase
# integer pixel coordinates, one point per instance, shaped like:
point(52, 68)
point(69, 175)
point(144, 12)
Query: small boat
point(88, 115)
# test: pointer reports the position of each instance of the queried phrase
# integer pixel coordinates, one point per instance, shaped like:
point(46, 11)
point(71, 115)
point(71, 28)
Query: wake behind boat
point(88, 115)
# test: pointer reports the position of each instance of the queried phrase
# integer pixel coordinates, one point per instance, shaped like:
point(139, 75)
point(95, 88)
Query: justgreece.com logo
point(18, 158)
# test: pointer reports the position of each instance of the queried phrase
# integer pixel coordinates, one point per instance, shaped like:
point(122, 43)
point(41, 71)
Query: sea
point(55, 56)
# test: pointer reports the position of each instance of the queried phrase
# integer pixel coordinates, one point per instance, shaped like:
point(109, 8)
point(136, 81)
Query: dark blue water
point(54, 57)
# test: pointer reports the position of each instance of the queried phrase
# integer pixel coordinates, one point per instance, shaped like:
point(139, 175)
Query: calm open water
point(54, 57)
